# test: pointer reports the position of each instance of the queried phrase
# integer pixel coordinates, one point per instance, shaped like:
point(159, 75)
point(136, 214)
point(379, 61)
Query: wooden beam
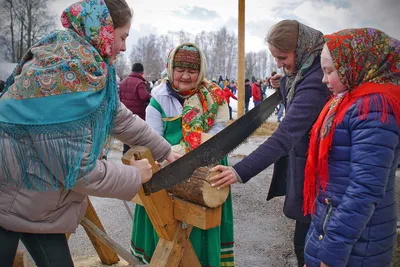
point(170, 253)
point(194, 214)
point(241, 58)
point(106, 240)
point(158, 205)
point(106, 255)
point(189, 258)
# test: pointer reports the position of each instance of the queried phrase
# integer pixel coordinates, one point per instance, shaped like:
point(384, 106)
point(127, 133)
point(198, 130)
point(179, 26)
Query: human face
point(185, 79)
point(331, 77)
point(120, 35)
point(283, 59)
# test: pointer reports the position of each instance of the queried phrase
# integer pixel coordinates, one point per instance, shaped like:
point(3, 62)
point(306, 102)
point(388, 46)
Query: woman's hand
point(225, 178)
point(146, 172)
point(275, 80)
point(173, 156)
point(323, 264)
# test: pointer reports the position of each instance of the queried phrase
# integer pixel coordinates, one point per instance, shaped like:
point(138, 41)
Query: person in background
point(221, 82)
point(184, 107)
point(134, 94)
point(354, 149)
point(233, 87)
point(247, 94)
point(297, 49)
point(65, 87)
point(228, 94)
point(256, 92)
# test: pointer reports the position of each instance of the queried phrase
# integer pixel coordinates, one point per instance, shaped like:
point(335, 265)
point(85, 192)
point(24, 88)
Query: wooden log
point(198, 189)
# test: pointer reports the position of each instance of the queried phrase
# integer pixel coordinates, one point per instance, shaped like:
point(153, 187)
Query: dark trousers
point(230, 112)
point(299, 240)
point(47, 250)
point(246, 106)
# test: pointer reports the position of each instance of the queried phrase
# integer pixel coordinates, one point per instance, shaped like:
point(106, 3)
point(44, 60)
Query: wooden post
point(106, 254)
point(158, 205)
point(241, 60)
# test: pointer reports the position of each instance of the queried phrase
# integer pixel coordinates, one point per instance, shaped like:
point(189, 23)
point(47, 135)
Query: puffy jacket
point(355, 219)
point(228, 94)
point(134, 95)
point(256, 92)
point(31, 211)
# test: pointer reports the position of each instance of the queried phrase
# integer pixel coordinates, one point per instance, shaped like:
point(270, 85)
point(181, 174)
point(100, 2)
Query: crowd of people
point(335, 152)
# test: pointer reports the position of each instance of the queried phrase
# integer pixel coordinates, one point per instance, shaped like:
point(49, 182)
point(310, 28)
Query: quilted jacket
point(355, 219)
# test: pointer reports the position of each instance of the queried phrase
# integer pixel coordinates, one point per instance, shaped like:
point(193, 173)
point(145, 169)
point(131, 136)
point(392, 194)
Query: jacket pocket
point(328, 214)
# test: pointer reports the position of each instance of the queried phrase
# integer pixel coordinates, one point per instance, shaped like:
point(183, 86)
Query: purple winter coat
point(288, 146)
point(133, 93)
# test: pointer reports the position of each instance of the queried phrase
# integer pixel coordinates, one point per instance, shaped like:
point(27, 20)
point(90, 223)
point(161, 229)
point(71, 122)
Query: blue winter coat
point(355, 219)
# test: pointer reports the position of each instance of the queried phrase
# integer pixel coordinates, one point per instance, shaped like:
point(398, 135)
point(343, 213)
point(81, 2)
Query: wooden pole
point(241, 78)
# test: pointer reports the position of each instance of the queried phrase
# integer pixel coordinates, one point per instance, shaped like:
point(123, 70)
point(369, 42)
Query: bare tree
point(122, 67)
point(25, 22)
point(147, 52)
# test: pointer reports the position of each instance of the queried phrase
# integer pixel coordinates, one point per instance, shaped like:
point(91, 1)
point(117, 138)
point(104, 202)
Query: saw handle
point(138, 153)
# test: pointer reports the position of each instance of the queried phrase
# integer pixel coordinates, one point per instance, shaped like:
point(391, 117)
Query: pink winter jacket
point(31, 211)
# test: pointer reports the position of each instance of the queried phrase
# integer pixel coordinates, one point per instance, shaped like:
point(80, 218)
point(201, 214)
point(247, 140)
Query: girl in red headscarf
point(354, 151)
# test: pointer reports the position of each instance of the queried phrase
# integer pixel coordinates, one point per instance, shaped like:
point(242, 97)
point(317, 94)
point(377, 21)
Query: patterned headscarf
point(368, 63)
point(63, 88)
point(204, 104)
point(309, 46)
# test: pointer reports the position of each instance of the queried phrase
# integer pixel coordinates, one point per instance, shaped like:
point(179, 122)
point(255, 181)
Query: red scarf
point(352, 51)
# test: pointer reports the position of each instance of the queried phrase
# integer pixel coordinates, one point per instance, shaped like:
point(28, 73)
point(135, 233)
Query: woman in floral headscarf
point(184, 107)
point(297, 49)
point(59, 107)
point(354, 150)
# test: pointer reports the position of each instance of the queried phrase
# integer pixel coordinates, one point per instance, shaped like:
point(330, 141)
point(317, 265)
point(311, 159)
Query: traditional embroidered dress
point(63, 88)
point(182, 117)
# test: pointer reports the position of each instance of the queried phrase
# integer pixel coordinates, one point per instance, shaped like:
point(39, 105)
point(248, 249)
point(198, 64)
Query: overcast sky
point(160, 16)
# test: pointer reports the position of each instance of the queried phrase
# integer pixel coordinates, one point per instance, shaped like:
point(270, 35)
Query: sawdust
point(266, 129)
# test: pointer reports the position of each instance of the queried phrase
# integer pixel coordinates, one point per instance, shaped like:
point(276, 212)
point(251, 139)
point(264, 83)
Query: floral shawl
point(63, 88)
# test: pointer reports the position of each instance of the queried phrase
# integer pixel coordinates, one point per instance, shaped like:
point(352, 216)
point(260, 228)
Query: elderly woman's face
point(283, 59)
point(185, 78)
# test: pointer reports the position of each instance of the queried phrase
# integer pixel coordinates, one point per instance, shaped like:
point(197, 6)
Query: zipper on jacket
point(328, 214)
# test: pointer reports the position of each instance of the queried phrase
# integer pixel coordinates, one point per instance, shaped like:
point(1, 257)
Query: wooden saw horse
point(172, 218)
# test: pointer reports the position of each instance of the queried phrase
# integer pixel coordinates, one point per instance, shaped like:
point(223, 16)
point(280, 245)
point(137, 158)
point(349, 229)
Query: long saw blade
point(213, 149)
